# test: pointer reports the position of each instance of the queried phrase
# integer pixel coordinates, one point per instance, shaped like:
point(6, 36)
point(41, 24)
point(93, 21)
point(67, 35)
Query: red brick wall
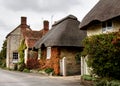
point(55, 57)
point(53, 62)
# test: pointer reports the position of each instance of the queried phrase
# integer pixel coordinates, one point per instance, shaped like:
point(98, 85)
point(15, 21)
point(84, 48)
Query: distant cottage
point(103, 18)
point(15, 37)
point(63, 41)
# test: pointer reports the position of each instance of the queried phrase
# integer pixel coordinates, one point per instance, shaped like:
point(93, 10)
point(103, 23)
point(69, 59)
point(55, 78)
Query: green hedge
point(105, 82)
point(104, 54)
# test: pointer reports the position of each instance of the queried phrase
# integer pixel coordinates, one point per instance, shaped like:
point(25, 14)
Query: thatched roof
point(63, 33)
point(102, 11)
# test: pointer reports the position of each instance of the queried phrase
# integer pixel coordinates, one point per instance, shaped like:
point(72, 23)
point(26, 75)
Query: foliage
point(21, 66)
point(106, 82)
point(32, 63)
point(49, 70)
point(88, 77)
point(21, 49)
point(26, 70)
point(78, 58)
point(3, 54)
point(16, 67)
point(103, 55)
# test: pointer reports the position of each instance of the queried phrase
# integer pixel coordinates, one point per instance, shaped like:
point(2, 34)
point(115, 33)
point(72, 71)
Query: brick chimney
point(23, 22)
point(45, 26)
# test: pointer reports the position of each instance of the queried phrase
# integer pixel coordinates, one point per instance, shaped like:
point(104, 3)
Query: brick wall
point(53, 62)
point(58, 53)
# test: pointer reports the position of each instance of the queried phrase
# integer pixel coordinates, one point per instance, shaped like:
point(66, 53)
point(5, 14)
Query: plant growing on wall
point(22, 47)
point(104, 57)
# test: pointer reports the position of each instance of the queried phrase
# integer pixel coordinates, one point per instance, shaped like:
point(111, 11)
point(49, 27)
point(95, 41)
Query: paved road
point(11, 78)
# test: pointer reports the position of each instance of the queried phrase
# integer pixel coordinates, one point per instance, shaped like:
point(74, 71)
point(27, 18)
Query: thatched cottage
point(103, 18)
point(62, 41)
point(15, 37)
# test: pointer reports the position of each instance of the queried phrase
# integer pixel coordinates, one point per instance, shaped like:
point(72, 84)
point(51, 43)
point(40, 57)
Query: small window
point(103, 26)
point(15, 57)
point(107, 26)
point(48, 52)
point(39, 53)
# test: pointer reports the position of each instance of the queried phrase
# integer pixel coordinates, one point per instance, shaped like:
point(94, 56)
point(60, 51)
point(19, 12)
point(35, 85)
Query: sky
point(38, 10)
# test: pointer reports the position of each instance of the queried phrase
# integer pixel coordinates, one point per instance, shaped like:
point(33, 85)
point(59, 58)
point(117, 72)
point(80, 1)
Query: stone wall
point(72, 67)
point(13, 42)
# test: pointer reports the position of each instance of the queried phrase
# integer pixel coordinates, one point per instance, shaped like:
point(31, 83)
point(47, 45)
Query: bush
point(105, 82)
point(26, 70)
point(21, 66)
point(48, 70)
point(32, 63)
point(103, 55)
point(114, 83)
point(16, 67)
point(88, 77)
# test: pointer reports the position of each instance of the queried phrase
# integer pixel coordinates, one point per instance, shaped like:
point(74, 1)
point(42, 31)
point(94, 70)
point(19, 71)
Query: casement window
point(48, 52)
point(107, 26)
point(39, 53)
point(15, 57)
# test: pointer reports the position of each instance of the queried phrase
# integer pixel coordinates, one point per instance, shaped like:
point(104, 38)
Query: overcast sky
point(38, 10)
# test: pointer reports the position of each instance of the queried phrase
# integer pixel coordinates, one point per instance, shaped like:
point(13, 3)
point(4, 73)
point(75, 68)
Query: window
point(15, 57)
point(39, 53)
point(48, 52)
point(107, 26)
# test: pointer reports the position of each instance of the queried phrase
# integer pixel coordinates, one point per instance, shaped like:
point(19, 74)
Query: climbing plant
point(21, 49)
point(103, 51)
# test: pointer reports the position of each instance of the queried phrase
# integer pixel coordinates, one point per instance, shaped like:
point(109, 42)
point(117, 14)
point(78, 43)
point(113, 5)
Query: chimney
point(23, 21)
point(45, 27)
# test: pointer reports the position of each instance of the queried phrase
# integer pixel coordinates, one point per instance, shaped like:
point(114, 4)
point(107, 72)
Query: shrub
point(103, 55)
point(114, 83)
point(26, 70)
point(48, 70)
point(88, 77)
point(21, 66)
point(105, 82)
point(16, 67)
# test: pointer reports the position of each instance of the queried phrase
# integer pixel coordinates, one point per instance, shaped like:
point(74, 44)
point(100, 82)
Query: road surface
point(12, 78)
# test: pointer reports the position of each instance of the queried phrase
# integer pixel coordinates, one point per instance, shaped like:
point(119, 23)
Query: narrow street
point(12, 78)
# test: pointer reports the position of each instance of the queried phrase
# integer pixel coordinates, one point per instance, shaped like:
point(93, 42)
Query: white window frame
point(39, 53)
point(15, 57)
point(106, 28)
point(48, 52)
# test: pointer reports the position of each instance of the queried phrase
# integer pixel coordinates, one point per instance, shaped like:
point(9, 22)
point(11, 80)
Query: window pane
point(15, 55)
point(48, 52)
point(109, 25)
point(39, 53)
point(103, 26)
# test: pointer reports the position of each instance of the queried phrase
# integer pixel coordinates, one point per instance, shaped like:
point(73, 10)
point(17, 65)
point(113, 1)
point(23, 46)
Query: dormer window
point(107, 26)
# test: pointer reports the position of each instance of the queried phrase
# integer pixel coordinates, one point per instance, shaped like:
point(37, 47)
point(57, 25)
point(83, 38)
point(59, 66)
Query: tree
point(3, 54)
